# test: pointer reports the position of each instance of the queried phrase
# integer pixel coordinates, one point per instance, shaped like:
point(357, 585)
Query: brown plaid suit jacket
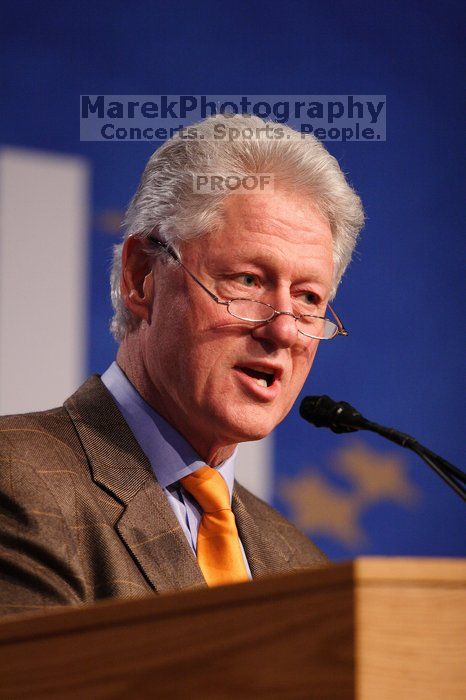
point(82, 516)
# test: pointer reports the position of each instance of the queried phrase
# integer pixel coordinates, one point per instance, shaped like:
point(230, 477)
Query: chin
point(247, 425)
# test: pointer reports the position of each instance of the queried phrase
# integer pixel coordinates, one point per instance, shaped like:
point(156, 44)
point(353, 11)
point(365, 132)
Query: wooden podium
point(373, 629)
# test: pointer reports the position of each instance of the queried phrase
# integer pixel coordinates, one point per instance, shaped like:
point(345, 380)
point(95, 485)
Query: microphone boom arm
point(341, 417)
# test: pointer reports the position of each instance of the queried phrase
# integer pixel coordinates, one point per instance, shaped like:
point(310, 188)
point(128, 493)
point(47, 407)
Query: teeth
point(261, 382)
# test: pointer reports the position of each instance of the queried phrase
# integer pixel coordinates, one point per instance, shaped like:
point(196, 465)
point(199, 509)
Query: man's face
point(204, 365)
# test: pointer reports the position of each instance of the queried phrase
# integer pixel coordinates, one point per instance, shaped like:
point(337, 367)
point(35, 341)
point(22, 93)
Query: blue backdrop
point(403, 296)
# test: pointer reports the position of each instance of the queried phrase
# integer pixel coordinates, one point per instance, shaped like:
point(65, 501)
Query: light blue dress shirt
point(170, 455)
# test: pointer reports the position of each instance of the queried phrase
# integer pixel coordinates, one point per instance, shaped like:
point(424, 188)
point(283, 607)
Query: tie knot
point(209, 488)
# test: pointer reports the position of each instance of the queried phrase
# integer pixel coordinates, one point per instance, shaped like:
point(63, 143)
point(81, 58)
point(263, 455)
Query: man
point(220, 302)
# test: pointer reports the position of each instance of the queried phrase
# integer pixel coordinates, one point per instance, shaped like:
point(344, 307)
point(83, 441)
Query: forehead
point(277, 230)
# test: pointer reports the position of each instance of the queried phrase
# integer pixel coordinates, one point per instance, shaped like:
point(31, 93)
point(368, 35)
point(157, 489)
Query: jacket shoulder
point(38, 440)
point(38, 550)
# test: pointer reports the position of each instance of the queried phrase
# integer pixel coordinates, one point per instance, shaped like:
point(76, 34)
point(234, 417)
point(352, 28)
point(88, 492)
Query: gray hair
point(166, 202)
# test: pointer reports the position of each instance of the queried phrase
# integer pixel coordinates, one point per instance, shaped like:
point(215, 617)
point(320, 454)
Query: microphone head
point(324, 412)
point(317, 410)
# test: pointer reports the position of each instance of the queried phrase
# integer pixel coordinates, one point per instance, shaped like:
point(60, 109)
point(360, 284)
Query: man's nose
point(281, 331)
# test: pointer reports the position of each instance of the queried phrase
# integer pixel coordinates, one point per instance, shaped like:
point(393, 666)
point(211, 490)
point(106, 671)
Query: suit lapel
point(152, 533)
point(147, 526)
point(266, 552)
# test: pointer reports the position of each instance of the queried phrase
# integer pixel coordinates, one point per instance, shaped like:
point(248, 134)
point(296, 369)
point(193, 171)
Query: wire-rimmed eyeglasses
point(317, 327)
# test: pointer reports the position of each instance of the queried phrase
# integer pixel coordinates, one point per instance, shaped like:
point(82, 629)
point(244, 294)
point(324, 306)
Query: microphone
point(341, 417)
point(324, 412)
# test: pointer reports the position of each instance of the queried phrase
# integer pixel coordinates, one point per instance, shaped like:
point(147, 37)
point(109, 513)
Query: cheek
point(312, 351)
point(181, 355)
point(165, 341)
point(302, 364)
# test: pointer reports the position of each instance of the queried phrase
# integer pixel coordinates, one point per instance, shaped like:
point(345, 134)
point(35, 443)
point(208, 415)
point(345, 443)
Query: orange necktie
point(218, 546)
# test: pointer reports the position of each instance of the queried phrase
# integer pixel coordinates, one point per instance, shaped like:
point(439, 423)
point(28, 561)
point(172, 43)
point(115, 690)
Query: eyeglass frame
point(340, 329)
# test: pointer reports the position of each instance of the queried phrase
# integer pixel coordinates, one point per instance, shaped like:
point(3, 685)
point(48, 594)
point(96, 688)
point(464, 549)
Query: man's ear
point(136, 282)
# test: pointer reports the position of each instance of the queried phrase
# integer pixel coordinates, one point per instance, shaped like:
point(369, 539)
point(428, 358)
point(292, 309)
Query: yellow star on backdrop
point(319, 507)
point(376, 475)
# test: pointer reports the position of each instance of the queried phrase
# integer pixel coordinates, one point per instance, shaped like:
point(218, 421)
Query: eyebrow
point(266, 264)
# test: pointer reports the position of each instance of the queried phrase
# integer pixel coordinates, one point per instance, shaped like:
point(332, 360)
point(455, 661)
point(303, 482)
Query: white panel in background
point(254, 467)
point(43, 278)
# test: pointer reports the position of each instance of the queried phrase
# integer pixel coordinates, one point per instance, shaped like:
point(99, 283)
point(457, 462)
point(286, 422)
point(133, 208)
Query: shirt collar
point(170, 454)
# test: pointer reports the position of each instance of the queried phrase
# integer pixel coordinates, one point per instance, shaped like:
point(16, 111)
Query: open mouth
point(263, 378)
